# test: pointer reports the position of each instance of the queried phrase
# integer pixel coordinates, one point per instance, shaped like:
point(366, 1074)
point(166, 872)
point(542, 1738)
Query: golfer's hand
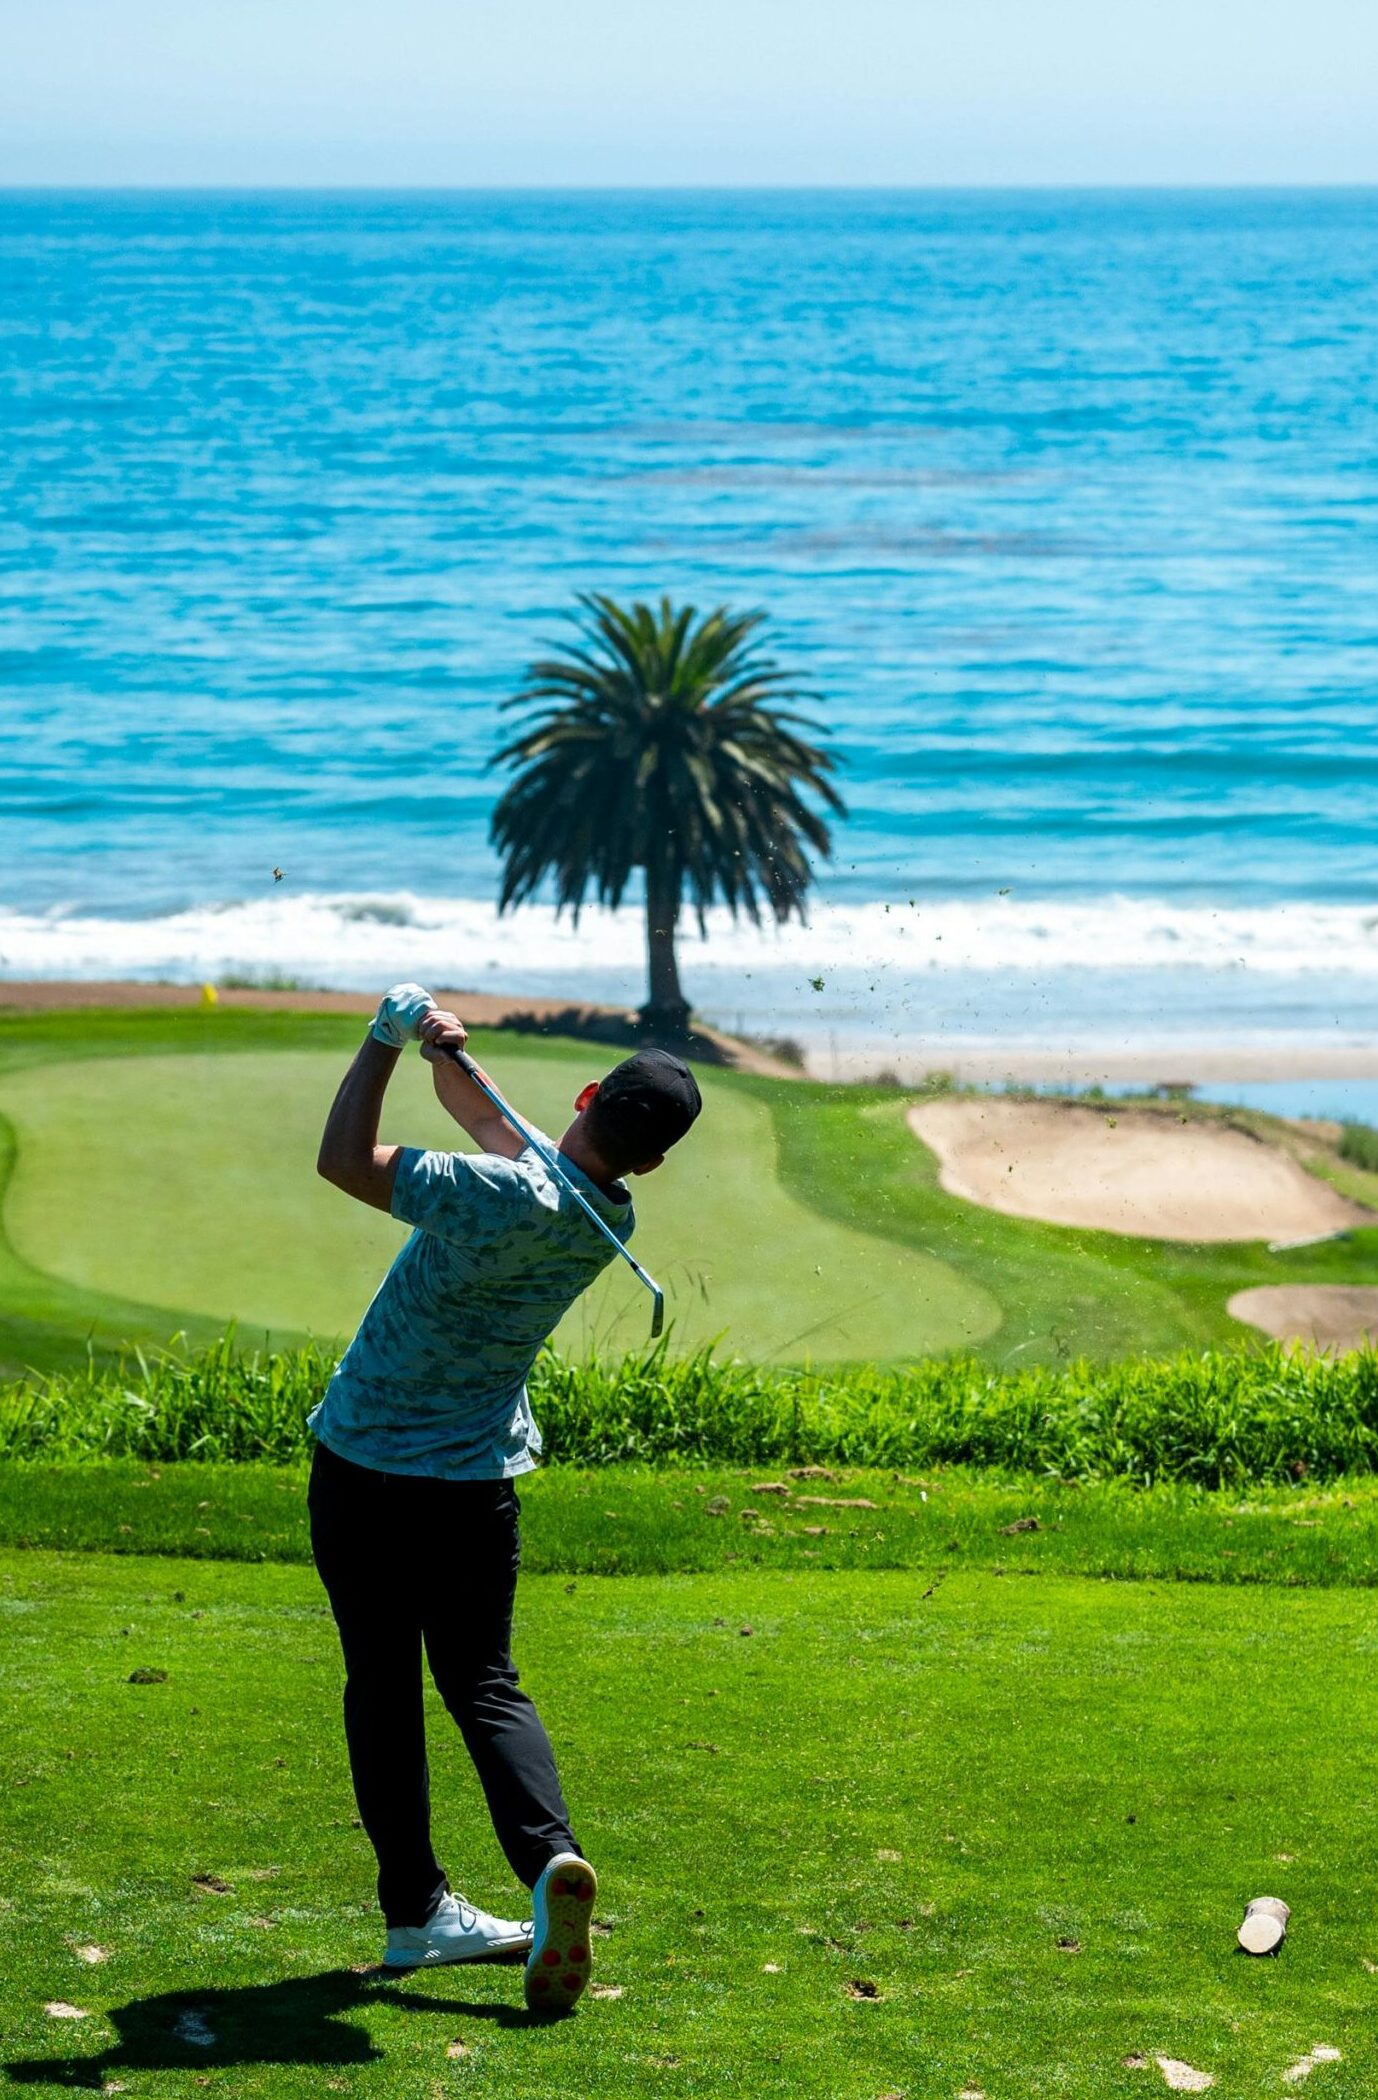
point(441, 1033)
point(399, 1017)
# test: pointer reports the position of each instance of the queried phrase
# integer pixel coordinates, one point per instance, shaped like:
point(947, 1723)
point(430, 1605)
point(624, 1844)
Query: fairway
point(189, 1182)
point(854, 1840)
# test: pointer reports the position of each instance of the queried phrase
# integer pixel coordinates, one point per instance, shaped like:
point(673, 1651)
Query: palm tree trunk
point(666, 1012)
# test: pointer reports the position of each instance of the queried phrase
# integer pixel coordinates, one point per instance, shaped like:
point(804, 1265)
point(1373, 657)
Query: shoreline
point(968, 1062)
point(478, 1009)
point(1184, 1063)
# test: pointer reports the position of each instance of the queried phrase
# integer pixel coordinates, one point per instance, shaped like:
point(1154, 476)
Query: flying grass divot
point(1265, 1925)
point(1183, 2078)
point(1318, 2053)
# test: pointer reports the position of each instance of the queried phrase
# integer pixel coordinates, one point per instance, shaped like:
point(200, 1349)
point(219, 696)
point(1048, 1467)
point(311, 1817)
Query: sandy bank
point(1328, 1317)
point(1143, 1173)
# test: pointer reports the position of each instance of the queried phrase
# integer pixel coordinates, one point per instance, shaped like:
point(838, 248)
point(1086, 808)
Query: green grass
point(1359, 1145)
point(1064, 1291)
point(642, 1520)
point(47, 1321)
point(1209, 1419)
point(1009, 1752)
point(1027, 1815)
point(198, 1191)
point(159, 1171)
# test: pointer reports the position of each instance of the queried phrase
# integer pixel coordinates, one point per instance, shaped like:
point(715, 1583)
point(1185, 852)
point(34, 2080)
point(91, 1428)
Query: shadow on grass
point(293, 2021)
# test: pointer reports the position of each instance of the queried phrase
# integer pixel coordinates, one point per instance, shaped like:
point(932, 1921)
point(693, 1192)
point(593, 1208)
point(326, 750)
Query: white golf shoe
point(561, 1956)
point(457, 1932)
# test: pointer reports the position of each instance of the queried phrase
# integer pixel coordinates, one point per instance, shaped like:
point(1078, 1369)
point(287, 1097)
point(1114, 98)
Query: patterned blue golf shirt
point(435, 1379)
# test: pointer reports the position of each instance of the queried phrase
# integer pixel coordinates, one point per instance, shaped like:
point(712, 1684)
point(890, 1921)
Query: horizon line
point(1268, 187)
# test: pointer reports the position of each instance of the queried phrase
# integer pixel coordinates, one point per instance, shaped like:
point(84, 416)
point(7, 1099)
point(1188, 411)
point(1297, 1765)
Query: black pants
point(407, 1560)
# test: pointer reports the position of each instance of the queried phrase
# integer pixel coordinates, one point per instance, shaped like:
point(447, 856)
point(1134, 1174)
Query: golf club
point(557, 1173)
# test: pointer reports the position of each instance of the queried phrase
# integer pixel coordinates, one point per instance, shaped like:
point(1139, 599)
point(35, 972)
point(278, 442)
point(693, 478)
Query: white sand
point(1125, 1171)
point(1323, 1316)
point(1089, 1064)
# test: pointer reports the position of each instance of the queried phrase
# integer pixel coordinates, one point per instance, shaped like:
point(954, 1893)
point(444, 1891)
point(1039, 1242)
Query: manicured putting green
point(188, 1182)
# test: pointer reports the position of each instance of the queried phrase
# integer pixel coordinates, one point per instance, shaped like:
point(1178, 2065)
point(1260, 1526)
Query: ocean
point(1062, 504)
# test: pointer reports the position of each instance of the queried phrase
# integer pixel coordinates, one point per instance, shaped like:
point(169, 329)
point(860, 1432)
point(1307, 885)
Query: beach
point(1108, 991)
point(1181, 1063)
point(1185, 1064)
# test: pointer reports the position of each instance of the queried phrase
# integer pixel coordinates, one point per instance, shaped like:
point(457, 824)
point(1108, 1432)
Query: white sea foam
point(359, 940)
point(860, 987)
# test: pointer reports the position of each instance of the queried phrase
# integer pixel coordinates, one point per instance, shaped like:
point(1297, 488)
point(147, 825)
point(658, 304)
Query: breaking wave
point(356, 941)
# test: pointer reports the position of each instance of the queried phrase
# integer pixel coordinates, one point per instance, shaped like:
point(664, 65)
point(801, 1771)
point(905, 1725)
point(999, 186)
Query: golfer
point(423, 1430)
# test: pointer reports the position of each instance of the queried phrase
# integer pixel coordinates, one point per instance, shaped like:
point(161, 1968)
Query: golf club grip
point(472, 1070)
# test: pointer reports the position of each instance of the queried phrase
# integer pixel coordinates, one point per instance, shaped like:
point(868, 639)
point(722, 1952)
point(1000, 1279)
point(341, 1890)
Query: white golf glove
point(399, 1016)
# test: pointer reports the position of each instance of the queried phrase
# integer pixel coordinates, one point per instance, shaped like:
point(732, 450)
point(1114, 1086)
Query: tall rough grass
point(1359, 1145)
point(1216, 1419)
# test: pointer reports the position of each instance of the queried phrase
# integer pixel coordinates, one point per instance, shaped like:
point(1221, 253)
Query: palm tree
point(664, 741)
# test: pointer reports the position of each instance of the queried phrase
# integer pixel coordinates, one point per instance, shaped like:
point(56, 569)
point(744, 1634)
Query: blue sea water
point(1063, 504)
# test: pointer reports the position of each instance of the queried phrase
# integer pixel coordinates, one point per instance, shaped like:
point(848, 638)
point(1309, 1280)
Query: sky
point(687, 92)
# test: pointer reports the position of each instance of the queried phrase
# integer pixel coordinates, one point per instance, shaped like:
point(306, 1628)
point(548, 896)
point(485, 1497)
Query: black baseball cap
point(651, 1099)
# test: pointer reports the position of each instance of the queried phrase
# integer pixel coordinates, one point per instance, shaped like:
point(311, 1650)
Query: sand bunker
point(1328, 1317)
point(1139, 1173)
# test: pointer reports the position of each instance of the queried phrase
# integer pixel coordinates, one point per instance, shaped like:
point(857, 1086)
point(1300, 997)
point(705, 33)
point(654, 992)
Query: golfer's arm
point(472, 1110)
point(350, 1155)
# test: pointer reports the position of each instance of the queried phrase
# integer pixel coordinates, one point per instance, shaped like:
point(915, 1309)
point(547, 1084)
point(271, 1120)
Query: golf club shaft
point(514, 1122)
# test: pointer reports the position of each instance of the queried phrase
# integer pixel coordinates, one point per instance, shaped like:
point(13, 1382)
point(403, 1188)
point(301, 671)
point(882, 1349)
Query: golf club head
point(657, 1314)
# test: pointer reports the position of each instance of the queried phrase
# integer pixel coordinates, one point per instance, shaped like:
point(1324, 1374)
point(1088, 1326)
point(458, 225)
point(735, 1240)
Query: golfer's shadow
point(294, 2021)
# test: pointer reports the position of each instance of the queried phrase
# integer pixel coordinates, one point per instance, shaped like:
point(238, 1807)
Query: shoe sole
point(509, 1950)
point(558, 1967)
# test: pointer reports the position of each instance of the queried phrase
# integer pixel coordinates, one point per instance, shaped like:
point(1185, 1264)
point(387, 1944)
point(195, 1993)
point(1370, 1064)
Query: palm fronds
point(666, 741)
